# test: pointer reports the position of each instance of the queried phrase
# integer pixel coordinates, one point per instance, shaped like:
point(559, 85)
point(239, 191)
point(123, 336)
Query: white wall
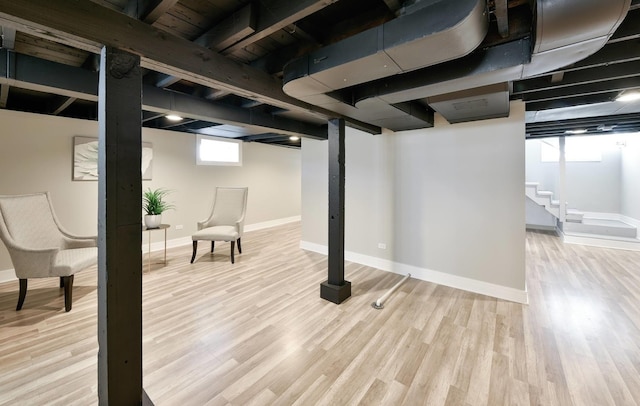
point(544, 173)
point(630, 204)
point(36, 155)
point(448, 202)
point(591, 186)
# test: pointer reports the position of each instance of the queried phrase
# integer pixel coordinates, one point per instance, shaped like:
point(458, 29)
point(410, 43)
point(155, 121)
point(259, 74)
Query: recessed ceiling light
point(294, 138)
point(577, 131)
point(629, 96)
point(173, 117)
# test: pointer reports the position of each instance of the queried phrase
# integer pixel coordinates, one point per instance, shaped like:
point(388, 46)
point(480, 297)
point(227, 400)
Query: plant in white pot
point(153, 204)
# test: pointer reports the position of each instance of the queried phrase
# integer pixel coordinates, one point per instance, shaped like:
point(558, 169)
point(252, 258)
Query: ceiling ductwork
point(407, 43)
point(427, 58)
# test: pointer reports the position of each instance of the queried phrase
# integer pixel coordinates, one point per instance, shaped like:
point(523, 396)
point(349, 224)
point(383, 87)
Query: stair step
point(555, 203)
point(612, 228)
point(531, 184)
point(544, 193)
point(574, 215)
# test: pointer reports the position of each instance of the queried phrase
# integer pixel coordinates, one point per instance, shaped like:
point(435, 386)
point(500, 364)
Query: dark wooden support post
point(336, 289)
point(120, 230)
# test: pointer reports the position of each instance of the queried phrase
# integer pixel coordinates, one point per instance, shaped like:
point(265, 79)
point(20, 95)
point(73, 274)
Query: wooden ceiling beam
point(502, 17)
point(223, 34)
point(237, 26)
point(89, 26)
point(148, 11)
point(274, 15)
point(63, 106)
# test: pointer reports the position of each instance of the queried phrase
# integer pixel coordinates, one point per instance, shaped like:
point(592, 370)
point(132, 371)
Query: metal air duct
point(382, 73)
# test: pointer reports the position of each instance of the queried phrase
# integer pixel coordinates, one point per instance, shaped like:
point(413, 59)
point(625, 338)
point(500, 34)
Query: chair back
point(229, 205)
point(28, 221)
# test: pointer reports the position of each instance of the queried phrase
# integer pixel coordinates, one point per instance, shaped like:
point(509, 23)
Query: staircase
point(545, 198)
point(576, 224)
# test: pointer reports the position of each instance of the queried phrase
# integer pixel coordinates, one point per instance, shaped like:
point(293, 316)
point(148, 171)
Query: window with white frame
point(576, 149)
point(218, 151)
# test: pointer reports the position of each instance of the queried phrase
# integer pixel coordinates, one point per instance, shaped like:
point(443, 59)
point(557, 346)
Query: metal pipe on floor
point(379, 304)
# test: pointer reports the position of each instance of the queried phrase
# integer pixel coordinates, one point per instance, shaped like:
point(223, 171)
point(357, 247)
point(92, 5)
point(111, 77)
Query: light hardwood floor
point(257, 333)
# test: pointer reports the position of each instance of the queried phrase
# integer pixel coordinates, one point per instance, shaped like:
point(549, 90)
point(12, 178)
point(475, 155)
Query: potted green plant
point(153, 204)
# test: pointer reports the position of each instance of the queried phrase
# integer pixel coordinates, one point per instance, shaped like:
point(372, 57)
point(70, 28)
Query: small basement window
point(218, 151)
point(576, 149)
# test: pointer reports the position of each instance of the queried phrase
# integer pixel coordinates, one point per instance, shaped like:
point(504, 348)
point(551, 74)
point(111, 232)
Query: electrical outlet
point(382, 246)
point(179, 227)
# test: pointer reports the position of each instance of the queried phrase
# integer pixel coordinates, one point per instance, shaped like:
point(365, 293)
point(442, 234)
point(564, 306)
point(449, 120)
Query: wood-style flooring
point(257, 333)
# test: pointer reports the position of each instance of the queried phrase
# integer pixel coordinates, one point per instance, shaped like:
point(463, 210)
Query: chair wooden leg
point(212, 245)
point(239, 246)
point(23, 293)
point(68, 292)
point(61, 282)
point(233, 246)
point(195, 248)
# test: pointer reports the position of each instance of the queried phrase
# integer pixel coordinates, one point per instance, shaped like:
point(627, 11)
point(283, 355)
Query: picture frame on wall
point(85, 159)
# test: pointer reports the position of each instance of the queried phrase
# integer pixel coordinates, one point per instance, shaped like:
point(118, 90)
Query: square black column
point(336, 289)
point(120, 229)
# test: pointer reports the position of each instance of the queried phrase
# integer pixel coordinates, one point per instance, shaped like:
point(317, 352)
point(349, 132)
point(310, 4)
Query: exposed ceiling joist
point(150, 115)
point(611, 53)
point(579, 77)
point(629, 28)
point(226, 33)
point(89, 26)
point(617, 123)
point(148, 11)
point(239, 25)
point(214, 94)
point(263, 137)
point(609, 86)
point(569, 101)
point(63, 106)
point(274, 15)
point(502, 17)
point(46, 76)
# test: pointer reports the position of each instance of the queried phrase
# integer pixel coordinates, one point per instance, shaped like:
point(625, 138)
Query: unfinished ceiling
point(266, 70)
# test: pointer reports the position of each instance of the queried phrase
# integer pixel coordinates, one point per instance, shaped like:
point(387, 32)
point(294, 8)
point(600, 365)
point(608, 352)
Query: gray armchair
point(39, 247)
point(226, 222)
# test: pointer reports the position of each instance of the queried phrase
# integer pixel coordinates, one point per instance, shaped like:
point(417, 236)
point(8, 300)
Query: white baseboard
point(540, 227)
point(271, 223)
point(441, 278)
point(173, 243)
point(599, 242)
point(182, 241)
point(7, 275)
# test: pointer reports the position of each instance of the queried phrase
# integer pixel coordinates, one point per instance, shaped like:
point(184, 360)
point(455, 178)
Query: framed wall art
point(85, 159)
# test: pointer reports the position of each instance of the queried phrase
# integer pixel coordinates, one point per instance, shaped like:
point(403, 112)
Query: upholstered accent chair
point(226, 222)
point(39, 247)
